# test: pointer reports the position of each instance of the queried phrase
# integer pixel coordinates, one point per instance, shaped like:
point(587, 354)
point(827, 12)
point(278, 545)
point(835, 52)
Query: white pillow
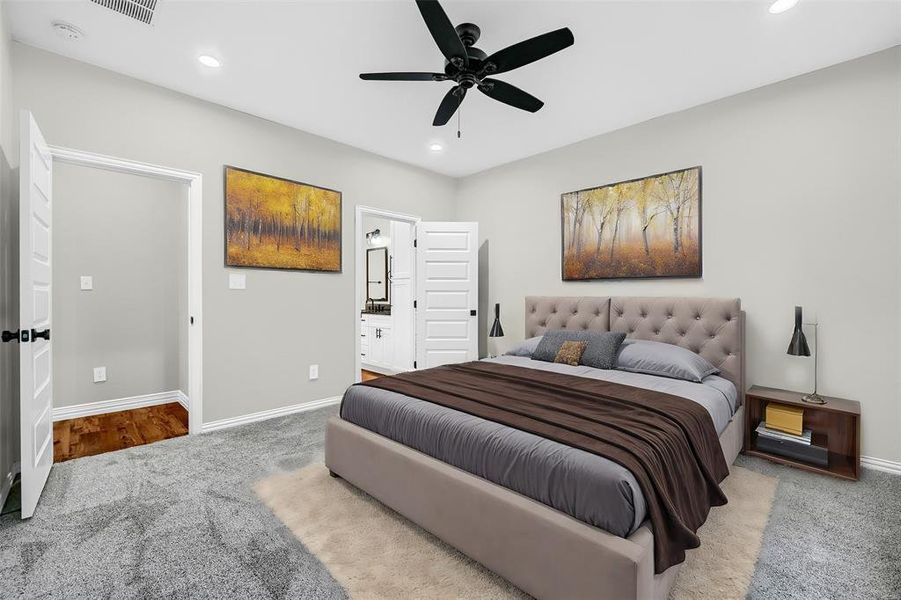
point(525, 348)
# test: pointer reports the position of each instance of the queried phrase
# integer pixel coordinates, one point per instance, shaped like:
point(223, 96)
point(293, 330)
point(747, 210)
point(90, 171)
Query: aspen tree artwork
point(649, 227)
point(276, 223)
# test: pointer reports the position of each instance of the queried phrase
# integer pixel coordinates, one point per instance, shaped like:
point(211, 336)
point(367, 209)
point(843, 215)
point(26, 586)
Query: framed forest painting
point(648, 227)
point(275, 223)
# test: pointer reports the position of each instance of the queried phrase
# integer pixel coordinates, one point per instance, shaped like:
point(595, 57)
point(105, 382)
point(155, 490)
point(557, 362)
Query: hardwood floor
point(369, 375)
point(86, 436)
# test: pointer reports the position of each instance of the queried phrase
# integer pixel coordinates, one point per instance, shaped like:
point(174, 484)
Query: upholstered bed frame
point(545, 552)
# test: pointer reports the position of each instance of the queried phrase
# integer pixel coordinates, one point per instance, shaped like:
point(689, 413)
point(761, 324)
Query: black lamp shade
point(496, 329)
point(798, 344)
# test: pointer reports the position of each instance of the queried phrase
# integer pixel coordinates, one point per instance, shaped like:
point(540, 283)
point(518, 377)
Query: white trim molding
point(881, 464)
point(194, 181)
point(269, 414)
point(184, 401)
point(61, 413)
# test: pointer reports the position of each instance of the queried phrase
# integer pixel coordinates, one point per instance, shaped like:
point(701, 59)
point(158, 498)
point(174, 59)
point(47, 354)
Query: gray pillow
point(526, 348)
point(552, 340)
point(665, 360)
point(602, 349)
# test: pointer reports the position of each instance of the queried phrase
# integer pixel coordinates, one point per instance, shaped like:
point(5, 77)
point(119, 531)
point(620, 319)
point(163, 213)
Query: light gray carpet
point(177, 518)
point(829, 538)
point(180, 519)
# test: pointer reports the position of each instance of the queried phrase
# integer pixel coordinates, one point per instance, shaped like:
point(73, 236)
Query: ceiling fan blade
point(403, 76)
point(536, 48)
point(449, 106)
point(510, 94)
point(443, 32)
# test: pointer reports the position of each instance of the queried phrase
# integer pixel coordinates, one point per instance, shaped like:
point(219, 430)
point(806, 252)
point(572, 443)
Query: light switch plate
point(87, 282)
point(99, 374)
point(314, 372)
point(237, 281)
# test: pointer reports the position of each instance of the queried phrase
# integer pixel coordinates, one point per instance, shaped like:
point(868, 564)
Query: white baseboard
point(269, 414)
point(183, 400)
point(88, 409)
point(881, 464)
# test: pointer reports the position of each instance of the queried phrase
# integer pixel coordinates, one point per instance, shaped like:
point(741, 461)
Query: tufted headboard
point(711, 327)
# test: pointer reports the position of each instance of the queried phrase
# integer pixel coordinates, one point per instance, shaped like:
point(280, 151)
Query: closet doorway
point(36, 278)
point(385, 288)
point(120, 322)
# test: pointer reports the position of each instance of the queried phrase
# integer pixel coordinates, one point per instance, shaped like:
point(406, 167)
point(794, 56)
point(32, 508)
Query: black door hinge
point(414, 364)
point(10, 336)
point(414, 243)
point(414, 304)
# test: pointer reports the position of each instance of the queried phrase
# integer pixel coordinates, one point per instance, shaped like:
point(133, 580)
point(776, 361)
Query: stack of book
point(782, 433)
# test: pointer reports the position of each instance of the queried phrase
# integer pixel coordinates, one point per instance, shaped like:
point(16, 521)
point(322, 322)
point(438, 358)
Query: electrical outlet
point(314, 372)
point(99, 374)
point(87, 282)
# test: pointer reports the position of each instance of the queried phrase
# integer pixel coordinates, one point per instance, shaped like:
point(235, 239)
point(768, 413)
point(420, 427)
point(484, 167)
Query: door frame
point(194, 181)
point(360, 268)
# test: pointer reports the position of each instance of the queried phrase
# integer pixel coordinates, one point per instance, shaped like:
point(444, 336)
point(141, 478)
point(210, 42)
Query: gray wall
point(126, 232)
point(9, 262)
point(801, 197)
point(258, 342)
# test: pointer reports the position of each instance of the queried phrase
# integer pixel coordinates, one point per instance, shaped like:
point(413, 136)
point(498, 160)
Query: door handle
point(10, 336)
point(35, 334)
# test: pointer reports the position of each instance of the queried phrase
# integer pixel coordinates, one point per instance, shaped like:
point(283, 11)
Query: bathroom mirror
point(377, 274)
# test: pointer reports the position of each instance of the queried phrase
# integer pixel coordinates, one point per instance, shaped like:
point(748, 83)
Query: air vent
point(139, 10)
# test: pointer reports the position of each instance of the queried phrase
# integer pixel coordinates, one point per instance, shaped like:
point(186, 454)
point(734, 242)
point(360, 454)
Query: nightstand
point(835, 425)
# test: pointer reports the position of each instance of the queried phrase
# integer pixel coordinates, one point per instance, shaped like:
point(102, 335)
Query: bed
point(589, 541)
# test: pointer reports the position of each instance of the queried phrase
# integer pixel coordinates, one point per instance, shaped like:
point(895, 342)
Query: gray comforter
point(585, 486)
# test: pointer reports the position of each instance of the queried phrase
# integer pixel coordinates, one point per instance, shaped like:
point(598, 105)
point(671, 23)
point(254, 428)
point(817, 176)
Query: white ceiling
point(297, 62)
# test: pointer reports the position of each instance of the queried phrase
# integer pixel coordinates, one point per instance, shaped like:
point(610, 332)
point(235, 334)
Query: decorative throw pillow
point(570, 352)
point(602, 349)
point(552, 340)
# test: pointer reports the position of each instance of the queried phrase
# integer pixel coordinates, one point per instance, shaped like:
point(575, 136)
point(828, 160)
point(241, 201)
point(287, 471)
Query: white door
point(447, 293)
point(35, 369)
point(401, 278)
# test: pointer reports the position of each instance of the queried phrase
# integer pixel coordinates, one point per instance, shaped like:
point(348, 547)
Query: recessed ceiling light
point(436, 147)
point(209, 61)
point(780, 6)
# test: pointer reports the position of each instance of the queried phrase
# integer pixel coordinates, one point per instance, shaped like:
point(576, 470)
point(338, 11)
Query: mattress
point(588, 487)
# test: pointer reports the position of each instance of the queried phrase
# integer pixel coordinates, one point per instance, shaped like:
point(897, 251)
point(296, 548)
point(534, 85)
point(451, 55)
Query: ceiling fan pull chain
point(459, 113)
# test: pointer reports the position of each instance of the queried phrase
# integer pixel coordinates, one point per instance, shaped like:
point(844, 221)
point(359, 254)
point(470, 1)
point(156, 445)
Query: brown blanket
point(668, 443)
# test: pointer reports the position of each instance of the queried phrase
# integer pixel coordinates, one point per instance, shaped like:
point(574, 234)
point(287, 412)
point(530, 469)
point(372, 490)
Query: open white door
point(35, 369)
point(447, 293)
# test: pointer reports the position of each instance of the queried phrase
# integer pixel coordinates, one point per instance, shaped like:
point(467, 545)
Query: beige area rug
point(375, 553)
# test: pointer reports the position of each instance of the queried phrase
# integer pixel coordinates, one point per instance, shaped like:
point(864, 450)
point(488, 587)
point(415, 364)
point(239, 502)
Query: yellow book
point(789, 419)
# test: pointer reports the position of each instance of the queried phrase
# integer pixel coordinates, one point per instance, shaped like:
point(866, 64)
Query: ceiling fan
point(470, 67)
